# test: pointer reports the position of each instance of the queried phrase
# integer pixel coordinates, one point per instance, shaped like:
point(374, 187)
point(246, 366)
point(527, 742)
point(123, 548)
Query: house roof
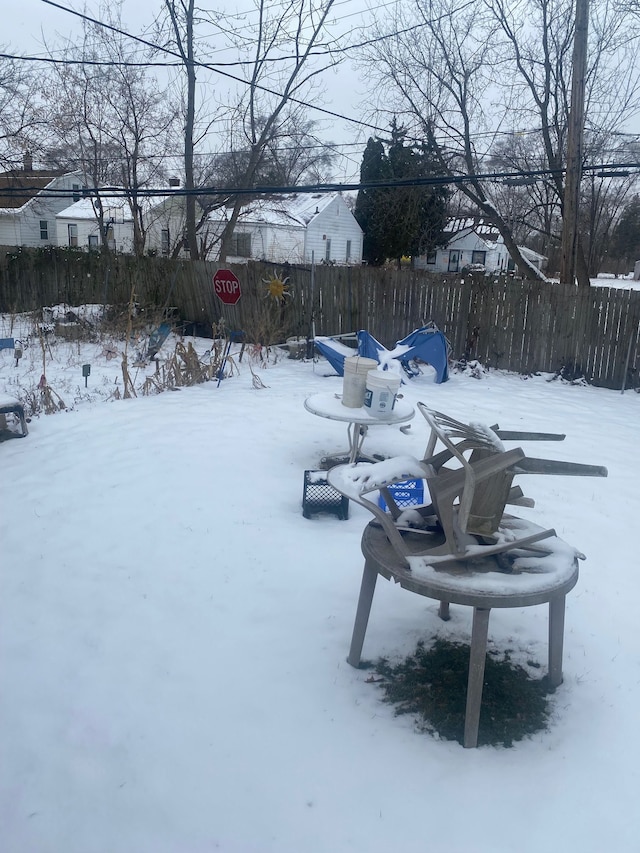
point(306, 207)
point(19, 186)
point(530, 255)
point(288, 210)
point(114, 206)
point(482, 229)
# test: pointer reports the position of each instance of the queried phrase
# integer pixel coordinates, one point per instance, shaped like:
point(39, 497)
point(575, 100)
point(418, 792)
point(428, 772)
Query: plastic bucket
point(356, 369)
point(381, 388)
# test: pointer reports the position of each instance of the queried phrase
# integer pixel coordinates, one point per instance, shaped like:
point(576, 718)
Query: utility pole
point(575, 140)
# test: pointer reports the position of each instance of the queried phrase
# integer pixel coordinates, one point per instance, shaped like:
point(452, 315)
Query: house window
point(76, 192)
point(44, 229)
point(164, 242)
point(241, 245)
point(478, 257)
point(93, 242)
point(348, 250)
point(111, 240)
point(73, 234)
point(327, 251)
point(431, 257)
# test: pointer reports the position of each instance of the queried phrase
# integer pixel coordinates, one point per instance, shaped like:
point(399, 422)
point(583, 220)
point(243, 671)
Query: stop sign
point(227, 286)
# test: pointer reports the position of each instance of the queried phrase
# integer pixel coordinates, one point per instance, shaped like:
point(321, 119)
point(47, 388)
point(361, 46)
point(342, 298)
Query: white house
point(470, 241)
point(163, 221)
point(295, 229)
point(473, 242)
point(291, 229)
point(77, 225)
point(29, 201)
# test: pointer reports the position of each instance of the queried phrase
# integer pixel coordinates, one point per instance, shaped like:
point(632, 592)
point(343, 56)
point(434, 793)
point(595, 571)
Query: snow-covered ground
point(173, 632)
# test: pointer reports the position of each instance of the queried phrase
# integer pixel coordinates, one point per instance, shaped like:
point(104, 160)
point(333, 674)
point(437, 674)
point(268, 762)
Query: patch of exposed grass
point(432, 684)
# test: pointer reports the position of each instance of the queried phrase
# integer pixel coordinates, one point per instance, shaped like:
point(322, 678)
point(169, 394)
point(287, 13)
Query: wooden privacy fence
point(515, 325)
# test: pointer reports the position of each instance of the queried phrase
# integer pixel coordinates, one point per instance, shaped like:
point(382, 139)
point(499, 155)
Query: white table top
point(329, 405)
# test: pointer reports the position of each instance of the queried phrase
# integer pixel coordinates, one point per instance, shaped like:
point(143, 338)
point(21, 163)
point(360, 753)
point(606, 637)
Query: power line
point(436, 181)
point(217, 70)
point(212, 68)
point(94, 62)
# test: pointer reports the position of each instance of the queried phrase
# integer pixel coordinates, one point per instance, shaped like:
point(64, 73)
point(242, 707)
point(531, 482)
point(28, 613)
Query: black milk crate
point(319, 496)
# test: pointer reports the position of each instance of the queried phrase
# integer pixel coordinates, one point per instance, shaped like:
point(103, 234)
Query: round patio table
point(480, 584)
point(327, 405)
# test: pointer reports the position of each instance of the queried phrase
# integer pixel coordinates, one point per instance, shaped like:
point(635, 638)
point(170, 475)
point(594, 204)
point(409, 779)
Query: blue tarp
point(425, 344)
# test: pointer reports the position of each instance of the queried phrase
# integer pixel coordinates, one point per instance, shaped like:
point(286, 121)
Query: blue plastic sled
point(426, 344)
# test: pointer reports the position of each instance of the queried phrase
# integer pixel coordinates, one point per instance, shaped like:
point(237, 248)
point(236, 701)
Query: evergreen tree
point(370, 203)
point(399, 221)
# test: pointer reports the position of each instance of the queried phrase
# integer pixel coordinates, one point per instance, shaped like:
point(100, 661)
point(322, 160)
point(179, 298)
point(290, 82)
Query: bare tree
point(282, 72)
point(19, 113)
point(262, 122)
point(109, 118)
point(475, 74)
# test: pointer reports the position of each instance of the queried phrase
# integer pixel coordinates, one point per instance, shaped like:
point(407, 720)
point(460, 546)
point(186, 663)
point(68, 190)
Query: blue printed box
point(405, 494)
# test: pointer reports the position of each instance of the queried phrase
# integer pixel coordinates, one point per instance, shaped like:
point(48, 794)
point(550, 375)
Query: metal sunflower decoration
point(277, 288)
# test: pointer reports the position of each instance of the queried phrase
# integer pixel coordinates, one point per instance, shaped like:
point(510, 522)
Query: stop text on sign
point(227, 287)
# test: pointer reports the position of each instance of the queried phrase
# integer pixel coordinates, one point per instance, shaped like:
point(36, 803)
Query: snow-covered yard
point(173, 632)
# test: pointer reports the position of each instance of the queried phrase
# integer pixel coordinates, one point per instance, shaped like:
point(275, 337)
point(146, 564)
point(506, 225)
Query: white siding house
point(295, 229)
point(289, 230)
point(163, 222)
point(29, 201)
point(469, 242)
point(472, 242)
point(77, 225)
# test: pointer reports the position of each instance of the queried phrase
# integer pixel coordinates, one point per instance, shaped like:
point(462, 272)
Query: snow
point(361, 478)
point(173, 632)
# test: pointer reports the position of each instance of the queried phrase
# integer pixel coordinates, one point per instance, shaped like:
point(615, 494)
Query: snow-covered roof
point(305, 207)
point(288, 211)
point(113, 206)
point(530, 255)
point(116, 206)
point(481, 228)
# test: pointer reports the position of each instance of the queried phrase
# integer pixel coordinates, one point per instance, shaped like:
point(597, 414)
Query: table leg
point(367, 588)
point(357, 434)
point(556, 639)
point(477, 658)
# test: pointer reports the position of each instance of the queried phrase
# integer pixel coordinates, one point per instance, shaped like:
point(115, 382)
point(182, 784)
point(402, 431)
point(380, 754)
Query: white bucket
point(380, 394)
point(356, 369)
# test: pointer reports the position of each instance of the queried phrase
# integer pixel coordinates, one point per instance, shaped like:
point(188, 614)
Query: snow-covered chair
point(470, 499)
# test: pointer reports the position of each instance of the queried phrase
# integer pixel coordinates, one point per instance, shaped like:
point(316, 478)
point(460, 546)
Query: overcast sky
point(27, 23)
